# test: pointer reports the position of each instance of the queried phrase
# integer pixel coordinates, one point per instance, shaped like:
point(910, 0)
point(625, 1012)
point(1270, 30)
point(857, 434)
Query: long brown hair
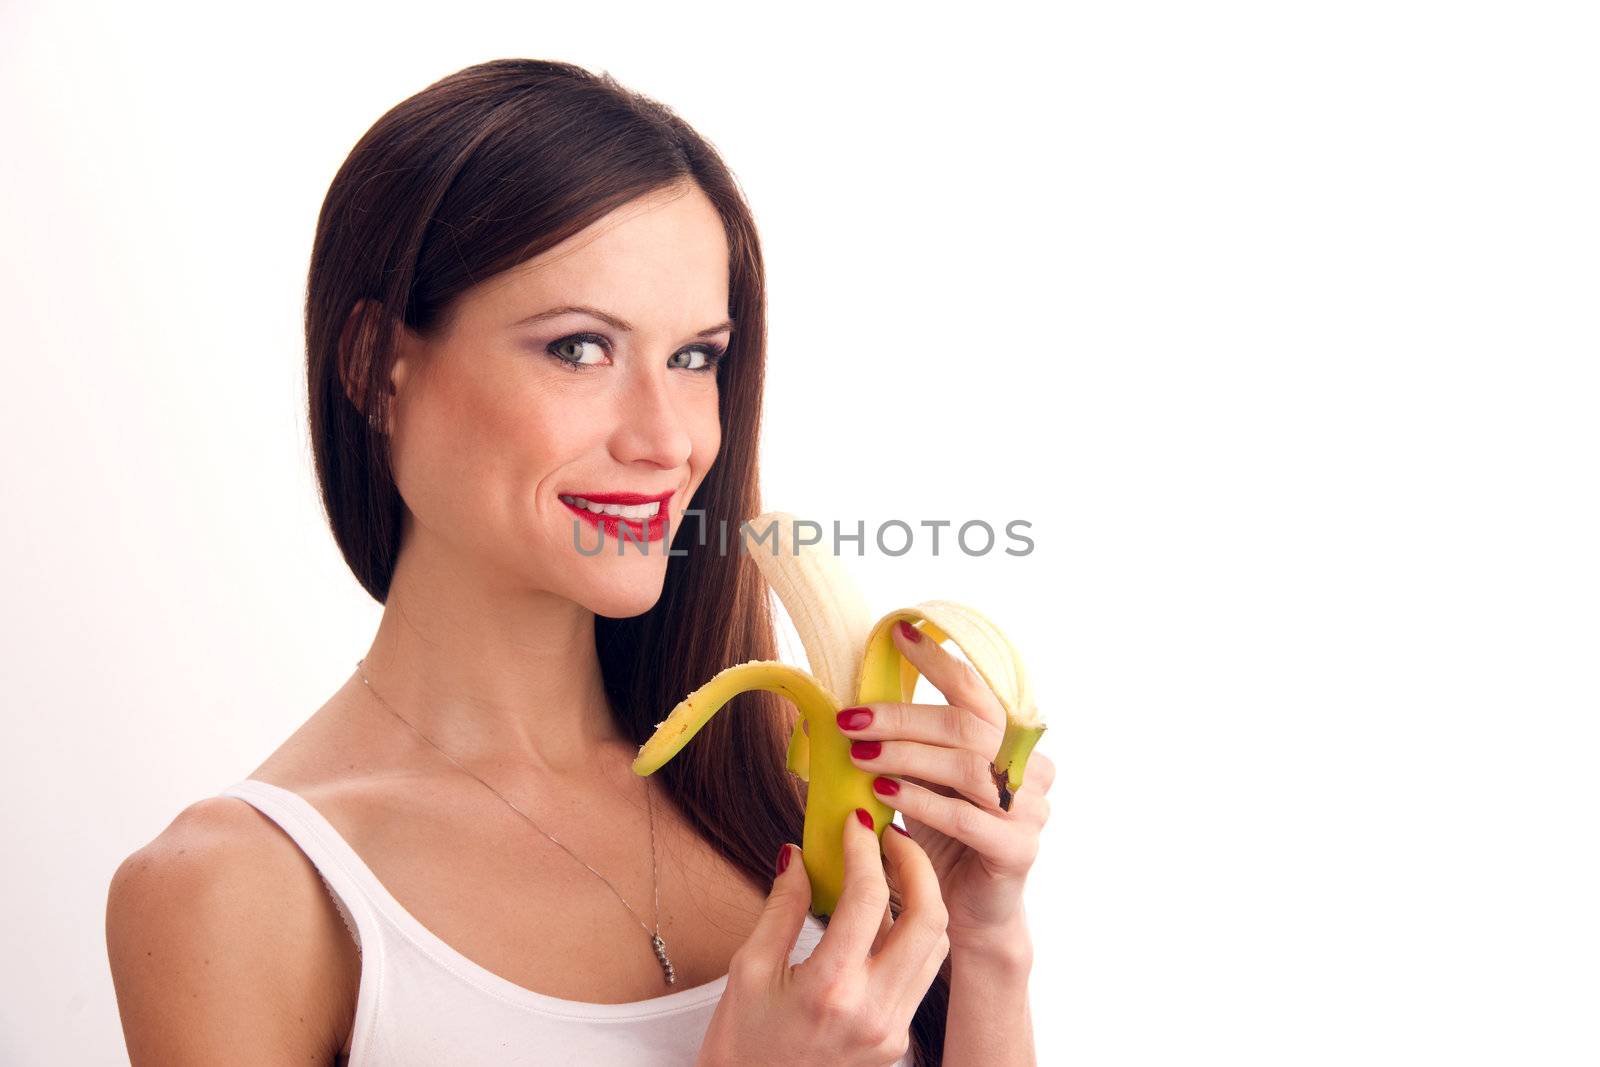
point(475, 174)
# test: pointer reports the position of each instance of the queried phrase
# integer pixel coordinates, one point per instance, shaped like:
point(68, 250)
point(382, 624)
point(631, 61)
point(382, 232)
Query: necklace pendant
point(661, 957)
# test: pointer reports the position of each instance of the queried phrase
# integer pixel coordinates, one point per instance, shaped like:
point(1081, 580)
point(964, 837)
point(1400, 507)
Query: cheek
point(536, 434)
point(499, 431)
point(483, 445)
point(706, 433)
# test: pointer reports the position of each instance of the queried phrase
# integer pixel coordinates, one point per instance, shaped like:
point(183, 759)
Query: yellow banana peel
point(848, 655)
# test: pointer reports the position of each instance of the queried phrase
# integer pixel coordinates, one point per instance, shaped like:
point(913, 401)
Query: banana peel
point(853, 661)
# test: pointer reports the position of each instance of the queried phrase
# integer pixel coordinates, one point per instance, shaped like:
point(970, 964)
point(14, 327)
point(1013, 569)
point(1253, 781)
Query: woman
point(532, 290)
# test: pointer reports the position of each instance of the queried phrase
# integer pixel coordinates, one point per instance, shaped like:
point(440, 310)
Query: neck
point(492, 675)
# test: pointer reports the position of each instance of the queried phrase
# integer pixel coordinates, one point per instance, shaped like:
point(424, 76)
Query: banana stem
point(1012, 759)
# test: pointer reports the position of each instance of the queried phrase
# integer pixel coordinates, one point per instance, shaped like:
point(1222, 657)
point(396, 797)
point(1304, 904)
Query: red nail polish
point(864, 817)
point(887, 786)
point(855, 718)
point(783, 859)
point(909, 632)
point(866, 749)
point(901, 830)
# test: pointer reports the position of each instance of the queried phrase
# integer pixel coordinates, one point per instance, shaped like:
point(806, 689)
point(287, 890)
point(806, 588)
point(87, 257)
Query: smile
point(627, 511)
point(643, 514)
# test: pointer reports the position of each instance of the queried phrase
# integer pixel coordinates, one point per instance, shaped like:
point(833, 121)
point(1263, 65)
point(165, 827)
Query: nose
point(650, 427)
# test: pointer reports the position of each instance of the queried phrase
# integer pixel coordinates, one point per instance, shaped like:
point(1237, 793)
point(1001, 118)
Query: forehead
point(658, 259)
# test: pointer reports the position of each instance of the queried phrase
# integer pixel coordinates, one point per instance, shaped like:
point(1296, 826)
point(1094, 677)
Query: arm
point(989, 1022)
point(221, 951)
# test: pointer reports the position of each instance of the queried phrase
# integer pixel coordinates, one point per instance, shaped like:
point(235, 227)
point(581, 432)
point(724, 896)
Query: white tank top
point(423, 1003)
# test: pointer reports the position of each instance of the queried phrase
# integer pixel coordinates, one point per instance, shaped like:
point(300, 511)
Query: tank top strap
point(344, 873)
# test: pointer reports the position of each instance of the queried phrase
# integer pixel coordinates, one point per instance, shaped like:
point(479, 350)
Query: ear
point(360, 341)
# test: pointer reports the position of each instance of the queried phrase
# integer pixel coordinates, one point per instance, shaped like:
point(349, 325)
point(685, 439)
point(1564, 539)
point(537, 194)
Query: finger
point(863, 899)
point(957, 679)
point(894, 888)
point(1030, 806)
point(1006, 845)
point(773, 938)
point(883, 927)
point(1040, 773)
point(917, 942)
point(1037, 778)
point(962, 769)
point(938, 724)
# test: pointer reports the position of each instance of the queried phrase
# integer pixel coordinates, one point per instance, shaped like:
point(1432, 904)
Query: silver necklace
point(656, 943)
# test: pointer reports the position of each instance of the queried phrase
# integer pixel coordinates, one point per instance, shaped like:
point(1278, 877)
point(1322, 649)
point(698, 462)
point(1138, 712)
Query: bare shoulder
point(225, 946)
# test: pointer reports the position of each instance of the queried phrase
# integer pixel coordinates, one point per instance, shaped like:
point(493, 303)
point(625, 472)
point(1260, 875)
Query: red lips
point(651, 529)
point(625, 498)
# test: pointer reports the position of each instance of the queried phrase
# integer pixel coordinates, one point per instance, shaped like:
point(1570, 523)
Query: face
point(507, 423)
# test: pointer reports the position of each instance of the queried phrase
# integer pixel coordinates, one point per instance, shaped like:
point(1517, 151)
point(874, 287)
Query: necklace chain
point(656, 943)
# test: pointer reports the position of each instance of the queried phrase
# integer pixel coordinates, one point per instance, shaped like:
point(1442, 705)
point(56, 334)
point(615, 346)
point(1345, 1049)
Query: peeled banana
point(850, 656)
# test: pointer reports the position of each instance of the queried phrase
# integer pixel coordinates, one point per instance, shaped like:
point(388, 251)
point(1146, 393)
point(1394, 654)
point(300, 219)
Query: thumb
point(770, 943)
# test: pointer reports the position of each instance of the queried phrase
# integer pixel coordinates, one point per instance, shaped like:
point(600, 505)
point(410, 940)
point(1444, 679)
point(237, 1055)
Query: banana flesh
point(851, 658)
point(825, 605)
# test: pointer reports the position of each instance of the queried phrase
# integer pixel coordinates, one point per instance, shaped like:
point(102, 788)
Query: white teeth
point(625, 511)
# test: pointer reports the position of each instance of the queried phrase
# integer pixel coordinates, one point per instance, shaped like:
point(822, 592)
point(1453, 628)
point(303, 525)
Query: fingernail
point(783, 859)
point(805, 727)
point(864, 817)
point(855, 718)
point(901, 830)
point(887, 786)
point(866, 749)
point(909, 632)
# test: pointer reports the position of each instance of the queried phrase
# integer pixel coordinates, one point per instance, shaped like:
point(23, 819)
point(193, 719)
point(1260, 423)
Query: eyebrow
point(609, 319)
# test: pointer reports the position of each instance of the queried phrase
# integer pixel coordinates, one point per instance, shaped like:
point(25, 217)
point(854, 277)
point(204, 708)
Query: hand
point(939, 757)
point(840, 1006)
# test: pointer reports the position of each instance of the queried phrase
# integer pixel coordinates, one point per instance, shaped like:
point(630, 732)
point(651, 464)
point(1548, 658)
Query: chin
point(626, 596)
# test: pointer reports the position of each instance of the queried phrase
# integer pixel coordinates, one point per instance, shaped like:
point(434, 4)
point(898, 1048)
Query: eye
point(709, 357)
point(570, 350)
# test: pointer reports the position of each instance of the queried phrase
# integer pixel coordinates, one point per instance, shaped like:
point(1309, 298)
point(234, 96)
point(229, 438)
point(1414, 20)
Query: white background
point(1277, 321)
